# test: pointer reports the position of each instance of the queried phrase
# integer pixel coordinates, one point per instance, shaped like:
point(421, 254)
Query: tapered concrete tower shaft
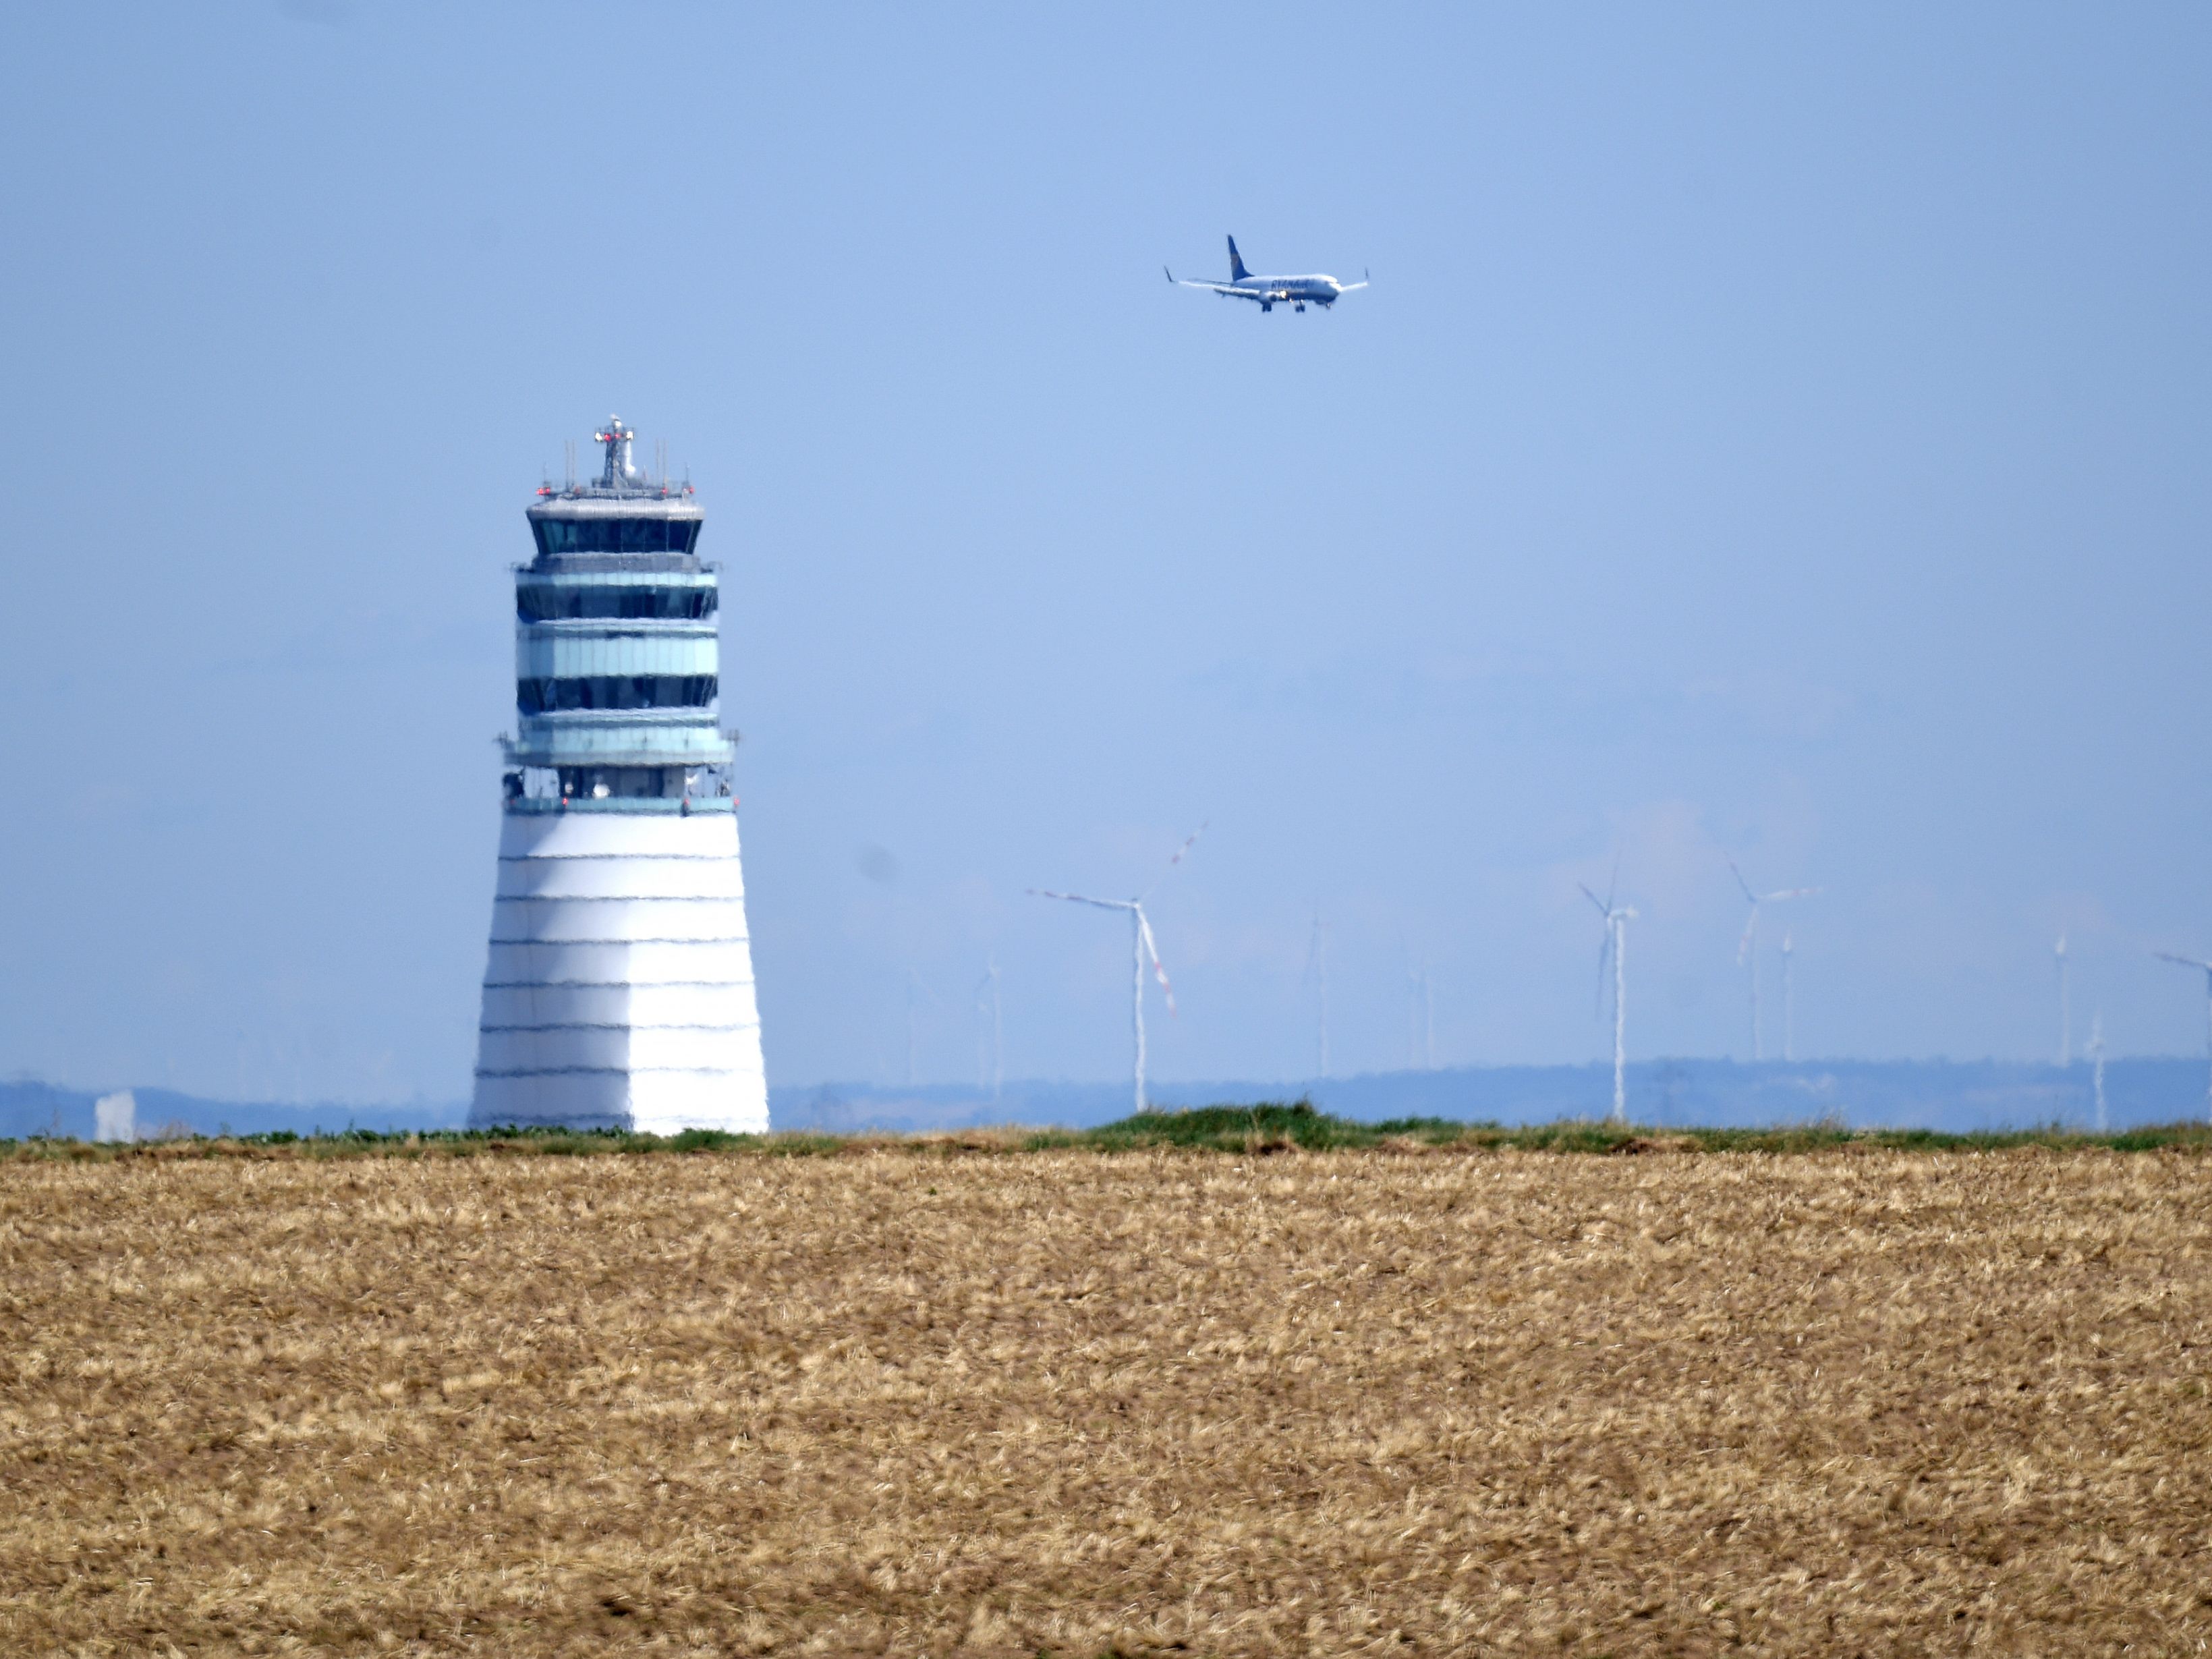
point(619, 988)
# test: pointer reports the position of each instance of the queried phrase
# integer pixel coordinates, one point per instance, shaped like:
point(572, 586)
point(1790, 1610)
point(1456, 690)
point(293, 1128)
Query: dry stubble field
point(1341, 1402)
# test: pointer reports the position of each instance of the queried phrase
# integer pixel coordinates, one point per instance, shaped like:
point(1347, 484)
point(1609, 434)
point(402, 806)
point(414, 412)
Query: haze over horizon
point(1770, 435)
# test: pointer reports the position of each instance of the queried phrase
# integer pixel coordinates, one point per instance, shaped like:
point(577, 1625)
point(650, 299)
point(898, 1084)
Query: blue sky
point(1768, 434)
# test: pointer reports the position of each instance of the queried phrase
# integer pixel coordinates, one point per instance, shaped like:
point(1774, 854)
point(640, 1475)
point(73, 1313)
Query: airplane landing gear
point(1297, 308)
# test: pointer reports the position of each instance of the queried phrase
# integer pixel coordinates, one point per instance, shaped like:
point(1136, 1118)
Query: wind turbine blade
point(1792, 892)
point(1604, 956)
point(1083, 898)
point(1743, 945)
point(1144, 932)
point(2186, 962)
point(1603, 909)
point(1313, 954)
point(1612, 886)
point(1173, 861)
point(1741, 883)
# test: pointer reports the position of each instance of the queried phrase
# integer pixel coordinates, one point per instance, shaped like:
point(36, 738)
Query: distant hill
point(1952, 1095)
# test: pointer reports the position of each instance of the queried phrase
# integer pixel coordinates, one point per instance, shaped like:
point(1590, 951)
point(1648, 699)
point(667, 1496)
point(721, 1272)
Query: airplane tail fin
point(1237, 272)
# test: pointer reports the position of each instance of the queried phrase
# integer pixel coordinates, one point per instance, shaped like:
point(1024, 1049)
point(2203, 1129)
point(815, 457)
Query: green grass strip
point(1266, 1128)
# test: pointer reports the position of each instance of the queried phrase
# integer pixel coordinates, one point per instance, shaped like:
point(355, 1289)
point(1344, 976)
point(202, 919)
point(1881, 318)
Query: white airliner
point(1296, 292)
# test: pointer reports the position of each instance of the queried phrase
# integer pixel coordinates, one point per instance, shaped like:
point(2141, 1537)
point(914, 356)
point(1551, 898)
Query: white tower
point(619, 989)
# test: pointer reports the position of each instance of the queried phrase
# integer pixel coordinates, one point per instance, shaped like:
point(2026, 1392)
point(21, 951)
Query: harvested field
point(1328, 1402)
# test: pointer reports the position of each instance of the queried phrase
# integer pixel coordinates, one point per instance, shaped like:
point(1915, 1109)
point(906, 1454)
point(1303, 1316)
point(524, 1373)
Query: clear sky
point(1769, 432)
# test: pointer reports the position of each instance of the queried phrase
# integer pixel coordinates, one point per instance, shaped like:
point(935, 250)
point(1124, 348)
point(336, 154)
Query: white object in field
point(115, 1117)
point(1617, 918)
point(620, 985)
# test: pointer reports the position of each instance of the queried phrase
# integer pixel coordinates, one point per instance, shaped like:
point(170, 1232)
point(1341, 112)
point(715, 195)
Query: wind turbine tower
point(990, 1034)
point(1317, 972)
point(1788, 999)
point(2065, 1010)
point(913, 995)
point(1617, 918)
point(1420, 1021)
point(2097, 1063)
point(1747, 950)
point(2206, 968)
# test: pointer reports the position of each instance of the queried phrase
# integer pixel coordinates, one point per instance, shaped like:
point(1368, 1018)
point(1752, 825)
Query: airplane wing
point(1228, 287)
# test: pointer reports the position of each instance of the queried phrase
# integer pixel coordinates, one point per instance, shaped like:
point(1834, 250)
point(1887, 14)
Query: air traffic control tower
point(619, 991)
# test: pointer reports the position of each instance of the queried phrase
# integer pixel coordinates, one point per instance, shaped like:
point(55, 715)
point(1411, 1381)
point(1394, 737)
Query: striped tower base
point(620, 988)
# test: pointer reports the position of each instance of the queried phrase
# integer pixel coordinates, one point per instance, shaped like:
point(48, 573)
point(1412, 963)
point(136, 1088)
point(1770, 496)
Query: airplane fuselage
point(1271, 291)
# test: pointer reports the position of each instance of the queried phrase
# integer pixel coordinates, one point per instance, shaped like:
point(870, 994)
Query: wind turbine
point(991, 1060)
point(1317, 972)
point(1748, 947)
point(2097, 1062)
point(1788, 999)
point(2191, 962)
point(1140, 947)
point(918, 994)
point(1616, 943)
point(1420, 1020)
point(2065, 1013)
point(912, 986)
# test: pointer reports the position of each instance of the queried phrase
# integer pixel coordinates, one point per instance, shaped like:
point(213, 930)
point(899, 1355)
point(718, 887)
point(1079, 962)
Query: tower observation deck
point(619, 986)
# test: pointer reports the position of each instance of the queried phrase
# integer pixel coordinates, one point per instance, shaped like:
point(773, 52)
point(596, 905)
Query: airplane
point(1296, 292)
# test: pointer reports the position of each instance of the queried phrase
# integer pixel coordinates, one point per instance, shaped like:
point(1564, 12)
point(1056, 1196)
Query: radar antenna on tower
point(617, 472)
